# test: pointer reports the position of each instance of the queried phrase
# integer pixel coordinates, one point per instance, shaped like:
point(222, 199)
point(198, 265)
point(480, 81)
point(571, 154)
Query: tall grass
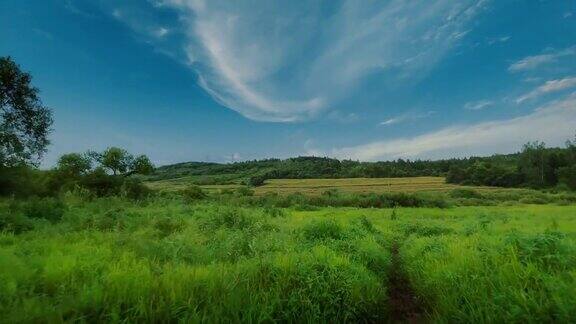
point(117, 260)
point(164, 259)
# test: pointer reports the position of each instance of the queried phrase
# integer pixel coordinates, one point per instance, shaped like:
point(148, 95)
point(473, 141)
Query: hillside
point(309, 167)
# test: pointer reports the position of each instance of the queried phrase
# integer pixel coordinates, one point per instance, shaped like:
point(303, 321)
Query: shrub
point(322, 230)
point(168, 225)
point(51, 209)
point(135, 189)
point(14, 222)
point(101, 183)
point(465, 193)
point(192, 193)
point(244, 192)
point(23, 181)
point(534, 200)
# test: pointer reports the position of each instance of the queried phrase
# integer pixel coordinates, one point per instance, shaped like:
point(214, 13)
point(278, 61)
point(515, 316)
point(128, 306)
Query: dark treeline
point(535, 166)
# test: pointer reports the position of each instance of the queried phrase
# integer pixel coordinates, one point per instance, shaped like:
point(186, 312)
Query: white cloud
point(478, 105)
point(160, 32)
point(407, 117)
point(548, 87)
point(393, 121)
point(533, 62)
point(552, 123)
point(291, 62)
point(501, 39)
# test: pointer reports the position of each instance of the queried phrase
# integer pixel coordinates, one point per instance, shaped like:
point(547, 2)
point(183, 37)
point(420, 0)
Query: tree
point(24, 122)
point(532, 163)
point(142, 165)
point(114, 159)
point(120, 162)
point(74, 164)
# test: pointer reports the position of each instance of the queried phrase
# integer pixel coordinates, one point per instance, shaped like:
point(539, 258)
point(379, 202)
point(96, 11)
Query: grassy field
point(318, 186)
point(164, 260)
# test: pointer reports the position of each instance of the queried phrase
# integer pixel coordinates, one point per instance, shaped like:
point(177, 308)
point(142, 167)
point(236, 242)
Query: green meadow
point(168, 259)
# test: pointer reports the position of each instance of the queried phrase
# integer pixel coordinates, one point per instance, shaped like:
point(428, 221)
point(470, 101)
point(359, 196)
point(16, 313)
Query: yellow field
point(318, 186)
point(357, 185)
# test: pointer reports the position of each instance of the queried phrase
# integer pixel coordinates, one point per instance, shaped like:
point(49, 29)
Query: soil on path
point(404, 305)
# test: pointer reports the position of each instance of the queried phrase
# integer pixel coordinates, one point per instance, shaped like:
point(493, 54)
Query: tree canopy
point(24, 121)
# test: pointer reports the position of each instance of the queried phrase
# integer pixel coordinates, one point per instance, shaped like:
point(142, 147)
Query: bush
point(192, 193)
point(14, 222)
point(135, 189)
point(23, 181)
point(168, 225)
point(51, 209)
point(534, 200)
point(244, 192)
point(101, 183)
point(465, 193)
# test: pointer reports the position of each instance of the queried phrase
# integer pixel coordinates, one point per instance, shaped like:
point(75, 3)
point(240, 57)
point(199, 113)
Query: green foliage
point(142, 165)
point(135, 189)
point(101, 183)
point(244, 192)
point(24, 123)
point(465, 193)
point(24, 181)
point(193, 193)
point(114, 258)
point(14, 221)
point(74, 165)
point(51, 209)
point(323, 230)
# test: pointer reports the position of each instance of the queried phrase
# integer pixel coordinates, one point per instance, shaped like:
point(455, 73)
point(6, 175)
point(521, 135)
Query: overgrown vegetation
point(168, 259)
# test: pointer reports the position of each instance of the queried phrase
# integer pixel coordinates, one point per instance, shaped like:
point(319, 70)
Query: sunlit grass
point(164, 259)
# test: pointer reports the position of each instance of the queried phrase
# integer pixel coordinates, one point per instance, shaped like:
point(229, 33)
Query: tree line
point(25, 125)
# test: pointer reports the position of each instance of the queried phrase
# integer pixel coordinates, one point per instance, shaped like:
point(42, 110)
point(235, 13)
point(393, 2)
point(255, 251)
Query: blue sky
point(185, 80)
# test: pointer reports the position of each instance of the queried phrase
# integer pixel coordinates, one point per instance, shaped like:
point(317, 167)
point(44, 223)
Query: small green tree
point(74, 164)
point(142, 165)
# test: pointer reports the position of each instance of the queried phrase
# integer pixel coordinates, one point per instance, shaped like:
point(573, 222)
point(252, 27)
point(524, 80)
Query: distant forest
point(536, 166)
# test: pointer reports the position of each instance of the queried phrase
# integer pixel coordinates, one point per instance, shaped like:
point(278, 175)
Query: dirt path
point(403, 302)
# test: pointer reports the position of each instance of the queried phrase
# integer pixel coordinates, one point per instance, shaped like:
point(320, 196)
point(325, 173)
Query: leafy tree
point(142, 165)
point(74, 164)
point(532, 163)
point(114, 159)
point(24, 122)
point(120, 162)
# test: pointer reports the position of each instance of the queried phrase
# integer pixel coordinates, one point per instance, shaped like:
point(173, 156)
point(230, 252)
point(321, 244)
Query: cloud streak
point(532, 62)
point(407, 117)
point(478, 105)
point(552, 123)
point(548, 87)
point(293, 62)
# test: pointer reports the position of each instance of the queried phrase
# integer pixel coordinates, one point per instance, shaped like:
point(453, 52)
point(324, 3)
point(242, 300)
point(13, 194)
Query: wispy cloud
point(552, 123)
point(533, 62)
point(496, 40)
point(548, 87)
point(292, 62)
point(478, 105)
point(407, 117)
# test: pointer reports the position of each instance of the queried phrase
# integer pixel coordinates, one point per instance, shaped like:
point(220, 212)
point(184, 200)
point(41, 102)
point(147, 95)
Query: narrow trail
point(403, 302)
